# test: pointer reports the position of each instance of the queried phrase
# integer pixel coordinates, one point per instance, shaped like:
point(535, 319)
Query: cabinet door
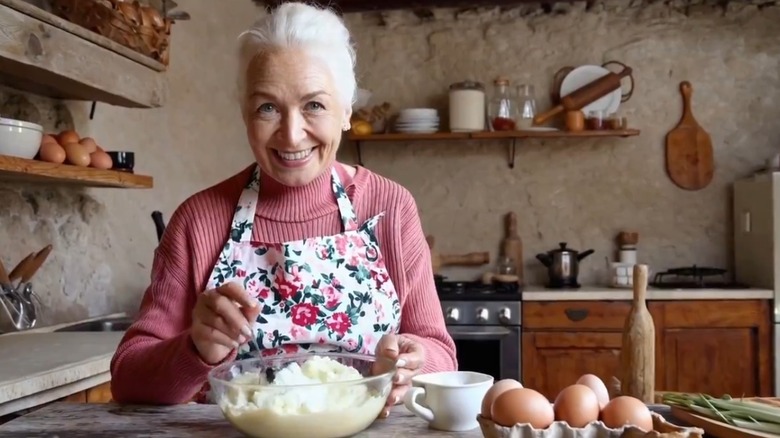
point(100, 394)
point(714, 347)
point(553, 360)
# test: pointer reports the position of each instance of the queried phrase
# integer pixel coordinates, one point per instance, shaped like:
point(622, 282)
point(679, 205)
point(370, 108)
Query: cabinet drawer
point(575, 315)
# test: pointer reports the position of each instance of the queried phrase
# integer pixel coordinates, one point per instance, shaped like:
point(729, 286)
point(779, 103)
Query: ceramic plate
point(584, 75)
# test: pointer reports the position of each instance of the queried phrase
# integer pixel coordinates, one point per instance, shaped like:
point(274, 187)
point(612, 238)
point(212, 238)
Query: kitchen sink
point(119, 324)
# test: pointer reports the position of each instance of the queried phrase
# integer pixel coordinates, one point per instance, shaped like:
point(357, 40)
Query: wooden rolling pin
point(512, 245)
point(585, 95)
point(637, 354)
point(470, 259)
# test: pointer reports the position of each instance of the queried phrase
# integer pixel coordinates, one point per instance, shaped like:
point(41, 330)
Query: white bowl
point(20, 139)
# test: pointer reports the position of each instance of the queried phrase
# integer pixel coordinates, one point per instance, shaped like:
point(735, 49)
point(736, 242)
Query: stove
point(694, 277)
point(477, 291)
point(485, 323)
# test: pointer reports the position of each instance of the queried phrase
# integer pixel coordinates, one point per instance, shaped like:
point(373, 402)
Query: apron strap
point(244, 217)
point(346, 211)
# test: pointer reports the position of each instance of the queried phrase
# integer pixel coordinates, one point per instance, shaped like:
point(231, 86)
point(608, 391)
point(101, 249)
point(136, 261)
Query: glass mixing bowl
point(318, 410)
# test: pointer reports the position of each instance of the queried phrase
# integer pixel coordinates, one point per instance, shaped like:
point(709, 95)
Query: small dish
point(122, 160)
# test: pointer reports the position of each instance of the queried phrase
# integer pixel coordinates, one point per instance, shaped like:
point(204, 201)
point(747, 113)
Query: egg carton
point(596, 429)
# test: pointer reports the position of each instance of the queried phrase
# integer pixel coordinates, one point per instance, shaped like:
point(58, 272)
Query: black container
point(123, 161)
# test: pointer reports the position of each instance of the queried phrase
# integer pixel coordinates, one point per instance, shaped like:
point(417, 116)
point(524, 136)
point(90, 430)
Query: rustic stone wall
point(581, 192)
point(104, 238)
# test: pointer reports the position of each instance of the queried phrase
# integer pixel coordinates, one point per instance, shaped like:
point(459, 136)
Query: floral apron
point(322, 294)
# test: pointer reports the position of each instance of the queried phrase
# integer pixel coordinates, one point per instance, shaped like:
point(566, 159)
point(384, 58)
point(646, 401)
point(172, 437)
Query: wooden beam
point(349, 6)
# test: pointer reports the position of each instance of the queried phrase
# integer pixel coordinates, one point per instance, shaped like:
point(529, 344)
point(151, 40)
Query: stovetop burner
point(476, 290)
point(694, 277)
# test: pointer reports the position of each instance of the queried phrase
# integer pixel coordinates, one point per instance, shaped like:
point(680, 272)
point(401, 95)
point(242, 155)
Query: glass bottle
point(502, 107)
point(526, 104)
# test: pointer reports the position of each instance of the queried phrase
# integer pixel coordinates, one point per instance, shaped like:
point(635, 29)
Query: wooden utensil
point(689, 157)
point(36, 263)
point(716, 428)
point(5, 281)
point(439, 260)
point(512, 245)
point(585, 95)
point(637, 354)
point(22, 267)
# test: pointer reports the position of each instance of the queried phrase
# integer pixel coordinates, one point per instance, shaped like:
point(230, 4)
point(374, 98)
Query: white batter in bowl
point(323, 395)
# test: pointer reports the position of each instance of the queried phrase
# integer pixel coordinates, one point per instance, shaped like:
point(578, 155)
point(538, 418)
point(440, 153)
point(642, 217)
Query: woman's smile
point(294, 159)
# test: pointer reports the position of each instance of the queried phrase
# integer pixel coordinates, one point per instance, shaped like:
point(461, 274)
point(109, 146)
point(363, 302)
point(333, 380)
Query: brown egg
point(497, 389)
point(625, 410)
point(52, 152)
point(577, 405)
point(47, 138)
point(521, 406)
point(76, 154)
point(89, 144)
point(68, 136)
point(597, 386)
point(100, 160)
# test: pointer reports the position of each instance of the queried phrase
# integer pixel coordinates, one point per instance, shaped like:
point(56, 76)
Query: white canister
point(467, 107)
point(627, 256)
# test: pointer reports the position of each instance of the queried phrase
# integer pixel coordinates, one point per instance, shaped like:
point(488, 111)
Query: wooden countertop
point(605, 293)
point(37, 368)
point(78, 420)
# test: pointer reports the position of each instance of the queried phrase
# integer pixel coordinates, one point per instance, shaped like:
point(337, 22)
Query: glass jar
point(502, 107)
point(467, 107)
point(526, 104)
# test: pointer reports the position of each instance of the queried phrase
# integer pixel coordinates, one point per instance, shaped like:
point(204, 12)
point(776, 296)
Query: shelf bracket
point(512, 147)
point(359, 153)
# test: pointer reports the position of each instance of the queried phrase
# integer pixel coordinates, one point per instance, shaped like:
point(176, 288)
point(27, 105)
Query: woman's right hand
point(222, 320)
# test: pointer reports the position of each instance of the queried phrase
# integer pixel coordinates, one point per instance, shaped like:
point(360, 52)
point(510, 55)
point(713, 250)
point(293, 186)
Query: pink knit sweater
point(157, 363)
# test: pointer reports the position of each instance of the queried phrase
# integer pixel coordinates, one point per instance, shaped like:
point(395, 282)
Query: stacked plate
point(417, 121)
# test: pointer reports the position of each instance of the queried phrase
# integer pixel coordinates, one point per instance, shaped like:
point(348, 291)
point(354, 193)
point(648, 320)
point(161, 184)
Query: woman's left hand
point(409, 356)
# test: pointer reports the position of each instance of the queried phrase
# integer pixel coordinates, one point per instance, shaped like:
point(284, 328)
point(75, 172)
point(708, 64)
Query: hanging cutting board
point(689, 157)
point(715, 428)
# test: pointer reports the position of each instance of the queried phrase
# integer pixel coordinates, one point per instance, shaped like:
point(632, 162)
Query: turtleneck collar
point(296, 204)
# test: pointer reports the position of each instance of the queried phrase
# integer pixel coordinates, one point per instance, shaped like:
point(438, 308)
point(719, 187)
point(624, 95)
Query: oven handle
point(476, 333)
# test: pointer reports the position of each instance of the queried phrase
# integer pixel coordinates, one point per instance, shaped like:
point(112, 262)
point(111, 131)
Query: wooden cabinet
point(715, 347)
point(97, 394)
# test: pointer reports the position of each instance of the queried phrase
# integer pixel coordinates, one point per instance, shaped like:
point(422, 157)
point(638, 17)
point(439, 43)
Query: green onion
point(736, 412)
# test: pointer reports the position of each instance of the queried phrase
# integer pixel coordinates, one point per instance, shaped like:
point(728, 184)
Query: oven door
point(492, 350)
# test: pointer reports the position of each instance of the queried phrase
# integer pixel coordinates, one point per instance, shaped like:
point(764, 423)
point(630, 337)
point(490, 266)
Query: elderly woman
point(297, 252)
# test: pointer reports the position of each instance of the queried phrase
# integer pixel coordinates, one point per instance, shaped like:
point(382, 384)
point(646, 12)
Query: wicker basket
point(127, 22)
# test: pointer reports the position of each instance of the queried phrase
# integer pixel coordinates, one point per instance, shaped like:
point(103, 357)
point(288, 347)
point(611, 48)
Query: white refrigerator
point(757, 243)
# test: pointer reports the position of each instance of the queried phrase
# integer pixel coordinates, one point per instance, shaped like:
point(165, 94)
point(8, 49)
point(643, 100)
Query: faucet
point(20, 306)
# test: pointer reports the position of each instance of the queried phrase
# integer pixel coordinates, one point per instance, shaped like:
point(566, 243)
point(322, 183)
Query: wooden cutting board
point(689, 156)
point(716, 428)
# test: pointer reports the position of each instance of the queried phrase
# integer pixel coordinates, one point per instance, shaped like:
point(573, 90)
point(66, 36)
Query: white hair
point(318, 31)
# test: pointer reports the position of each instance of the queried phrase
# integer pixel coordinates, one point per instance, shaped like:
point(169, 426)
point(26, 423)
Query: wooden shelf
point(513, 136)
point(43, 54)
point(34, 171)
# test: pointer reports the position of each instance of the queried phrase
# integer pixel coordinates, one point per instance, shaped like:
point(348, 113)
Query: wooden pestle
point(637, 354)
